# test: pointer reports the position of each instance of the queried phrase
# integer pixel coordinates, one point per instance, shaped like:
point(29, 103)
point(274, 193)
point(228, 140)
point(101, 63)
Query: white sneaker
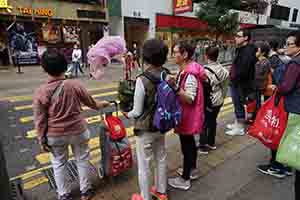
point(179, 183)
point(194, 173)
point(236, 132)
point(232, 126)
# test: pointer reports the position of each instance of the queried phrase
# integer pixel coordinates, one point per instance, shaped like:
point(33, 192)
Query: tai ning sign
point(4, 5)
point(182, 6)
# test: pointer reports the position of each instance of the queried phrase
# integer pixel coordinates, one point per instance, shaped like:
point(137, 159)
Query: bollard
point(4, 180)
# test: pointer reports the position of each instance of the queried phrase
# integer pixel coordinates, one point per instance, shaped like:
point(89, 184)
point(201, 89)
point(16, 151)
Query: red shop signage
point(182, 6)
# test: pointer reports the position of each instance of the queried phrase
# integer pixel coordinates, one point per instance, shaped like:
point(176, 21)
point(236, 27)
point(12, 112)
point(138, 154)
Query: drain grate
point(71, 177)
point(16, 190)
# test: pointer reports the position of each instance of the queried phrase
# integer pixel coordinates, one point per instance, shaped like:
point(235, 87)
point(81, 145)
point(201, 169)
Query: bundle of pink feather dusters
point(102, 53)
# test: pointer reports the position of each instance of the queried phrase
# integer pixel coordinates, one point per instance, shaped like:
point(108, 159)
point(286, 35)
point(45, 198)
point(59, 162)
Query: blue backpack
point(167, 113)
point(278, 72)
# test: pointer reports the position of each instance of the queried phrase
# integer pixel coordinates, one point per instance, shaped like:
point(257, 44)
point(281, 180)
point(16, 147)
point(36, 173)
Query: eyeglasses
point(289, 44)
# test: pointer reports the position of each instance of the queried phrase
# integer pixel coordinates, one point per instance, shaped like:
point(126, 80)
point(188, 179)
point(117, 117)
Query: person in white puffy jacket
point(218, 77)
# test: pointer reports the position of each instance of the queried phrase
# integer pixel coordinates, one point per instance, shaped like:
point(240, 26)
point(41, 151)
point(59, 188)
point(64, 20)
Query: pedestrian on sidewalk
point(58, 117)
point(76, 60)
point(190, 93)
point(275, 168)
point(150, 143)
point(262, 70)
point(242, 76)
point(217, 76)
point(289, 87)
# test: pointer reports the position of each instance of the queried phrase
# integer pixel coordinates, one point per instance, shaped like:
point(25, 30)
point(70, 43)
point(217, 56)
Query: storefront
point(29, 27)
point(172, 29)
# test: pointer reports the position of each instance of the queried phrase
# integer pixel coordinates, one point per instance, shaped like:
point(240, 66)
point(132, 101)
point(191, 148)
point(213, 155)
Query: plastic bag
point(289, 149)
point(270, 123)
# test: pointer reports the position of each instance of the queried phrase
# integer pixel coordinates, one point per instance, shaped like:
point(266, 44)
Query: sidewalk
point(229, 173)
point(121, 188)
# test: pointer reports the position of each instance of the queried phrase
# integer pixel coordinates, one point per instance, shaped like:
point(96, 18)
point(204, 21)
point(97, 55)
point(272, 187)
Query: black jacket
point(242, 72)
point(243, 66)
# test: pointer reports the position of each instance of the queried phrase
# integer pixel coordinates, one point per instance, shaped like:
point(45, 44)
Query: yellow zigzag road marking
point(30, 118)
point(14, 99)
point(38, 181)
point(36, 172)
point(44, 158)
point(90, 120)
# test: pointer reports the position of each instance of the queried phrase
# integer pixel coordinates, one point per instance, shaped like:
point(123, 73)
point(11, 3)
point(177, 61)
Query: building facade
point(170, 20)
point(29, 27)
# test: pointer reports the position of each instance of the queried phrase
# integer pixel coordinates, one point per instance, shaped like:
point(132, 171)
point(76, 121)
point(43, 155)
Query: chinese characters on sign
point(45, 12)
point(182, 6)
point(4, 5)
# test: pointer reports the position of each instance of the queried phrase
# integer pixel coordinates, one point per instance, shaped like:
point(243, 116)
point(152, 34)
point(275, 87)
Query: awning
point(180, 22)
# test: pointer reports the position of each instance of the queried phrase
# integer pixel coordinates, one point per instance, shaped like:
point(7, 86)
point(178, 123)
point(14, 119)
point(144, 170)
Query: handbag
point(270, 122)
point(44, 140)
point(289, 149)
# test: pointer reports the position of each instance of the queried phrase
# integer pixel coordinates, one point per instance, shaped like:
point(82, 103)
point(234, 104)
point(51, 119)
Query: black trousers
point(297, 185)
point(189, 151)
point(209, 134)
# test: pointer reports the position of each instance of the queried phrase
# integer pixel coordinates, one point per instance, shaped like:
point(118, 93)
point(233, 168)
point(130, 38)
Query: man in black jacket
point(242, 76)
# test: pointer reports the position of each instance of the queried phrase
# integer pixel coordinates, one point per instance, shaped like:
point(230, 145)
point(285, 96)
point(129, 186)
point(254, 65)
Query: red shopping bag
point(270, 122)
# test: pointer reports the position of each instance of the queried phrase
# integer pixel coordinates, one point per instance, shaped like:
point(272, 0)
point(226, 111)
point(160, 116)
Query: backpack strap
point(213, 72)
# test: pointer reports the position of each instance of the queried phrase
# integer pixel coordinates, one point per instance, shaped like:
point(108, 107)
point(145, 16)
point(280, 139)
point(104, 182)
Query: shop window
point(280, 12)
point(91, 14)
point(295, 15)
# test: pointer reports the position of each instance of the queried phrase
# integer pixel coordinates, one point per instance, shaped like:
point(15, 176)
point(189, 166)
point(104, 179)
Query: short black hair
point(274, 44)
point(54, 62)
point(155, 52)
point(246, 33)
point(264, 47)
point(185, 46)
point(295, 34)
point(212, 53)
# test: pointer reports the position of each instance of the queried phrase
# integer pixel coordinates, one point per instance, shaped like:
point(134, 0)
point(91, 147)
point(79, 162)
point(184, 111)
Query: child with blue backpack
point(150, 142)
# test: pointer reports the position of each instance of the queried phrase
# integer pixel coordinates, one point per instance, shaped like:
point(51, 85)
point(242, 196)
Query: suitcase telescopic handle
point(115, 103)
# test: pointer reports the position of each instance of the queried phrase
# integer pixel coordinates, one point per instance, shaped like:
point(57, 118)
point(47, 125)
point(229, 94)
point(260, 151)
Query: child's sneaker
point(157, 195)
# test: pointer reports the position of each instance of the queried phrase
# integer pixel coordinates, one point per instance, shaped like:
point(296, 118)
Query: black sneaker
point(87, 195)
point(203, 150)
point(66, 197)
point(264, 168)
point(276, 172)
point(288, 171)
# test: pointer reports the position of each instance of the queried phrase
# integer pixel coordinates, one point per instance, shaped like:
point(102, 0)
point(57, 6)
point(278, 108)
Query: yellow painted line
point(44, 158)
point(36, 172)
point(14, 99)
point(90, 120)
point(34, 183)
point(18, 108)
point(227, 100)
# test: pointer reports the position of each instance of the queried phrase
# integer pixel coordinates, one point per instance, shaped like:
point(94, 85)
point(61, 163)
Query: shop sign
point(5, 6)
point(247, 17)
point(44, 12)
point(182, 6)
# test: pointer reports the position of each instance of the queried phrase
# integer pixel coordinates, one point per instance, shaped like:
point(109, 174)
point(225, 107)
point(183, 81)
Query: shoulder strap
point(213, 72)
point(57, 88)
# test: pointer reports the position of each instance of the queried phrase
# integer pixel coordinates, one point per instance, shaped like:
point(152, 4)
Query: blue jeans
point(238, 106)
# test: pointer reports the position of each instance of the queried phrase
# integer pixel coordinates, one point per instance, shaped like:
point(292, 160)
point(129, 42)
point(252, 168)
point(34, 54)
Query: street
point(227, 173)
